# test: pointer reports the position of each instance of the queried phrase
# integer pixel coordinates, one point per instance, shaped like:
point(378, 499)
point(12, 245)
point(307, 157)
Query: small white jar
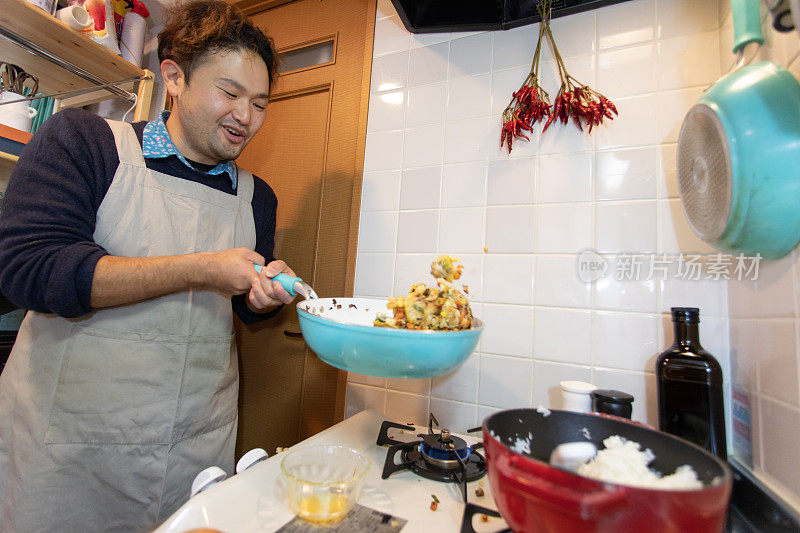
point(577, 396)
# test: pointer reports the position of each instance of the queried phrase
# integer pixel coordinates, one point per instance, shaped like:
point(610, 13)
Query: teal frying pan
point(739, 153)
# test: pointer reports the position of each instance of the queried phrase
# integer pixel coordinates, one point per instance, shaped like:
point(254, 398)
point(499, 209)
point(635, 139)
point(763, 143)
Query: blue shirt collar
point(156, 143)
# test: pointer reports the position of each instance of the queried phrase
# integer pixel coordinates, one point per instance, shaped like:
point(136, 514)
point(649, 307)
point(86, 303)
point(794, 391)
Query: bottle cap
point(578, 387)
point(612, 396)
point(256, 455)
point(206, 478)
point(690, 315)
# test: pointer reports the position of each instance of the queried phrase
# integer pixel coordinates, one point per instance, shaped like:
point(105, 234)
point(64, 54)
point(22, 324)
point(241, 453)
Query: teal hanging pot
point(739, 154)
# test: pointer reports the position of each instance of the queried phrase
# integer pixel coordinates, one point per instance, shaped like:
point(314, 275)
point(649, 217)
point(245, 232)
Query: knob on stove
point(445, 436)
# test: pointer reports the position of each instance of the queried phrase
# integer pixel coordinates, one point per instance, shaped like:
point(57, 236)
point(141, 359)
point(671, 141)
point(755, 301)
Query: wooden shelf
point(36, 26)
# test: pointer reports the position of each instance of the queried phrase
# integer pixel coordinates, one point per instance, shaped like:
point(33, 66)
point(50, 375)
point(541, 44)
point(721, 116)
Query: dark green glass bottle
point(689, 379)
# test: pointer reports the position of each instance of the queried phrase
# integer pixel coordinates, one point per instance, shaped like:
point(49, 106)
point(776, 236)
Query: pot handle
point(515, 470)
point(746, 24)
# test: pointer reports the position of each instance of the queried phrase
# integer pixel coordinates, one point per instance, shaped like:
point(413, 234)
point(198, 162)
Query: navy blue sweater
point(47, 251)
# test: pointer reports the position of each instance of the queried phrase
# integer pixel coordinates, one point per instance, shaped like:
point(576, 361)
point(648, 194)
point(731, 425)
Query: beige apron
point(106, 419)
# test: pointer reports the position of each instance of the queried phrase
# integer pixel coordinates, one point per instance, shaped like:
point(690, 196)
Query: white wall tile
point(415, 386)
point(671, 107)
point(505, 381)
point(515, 47)
point(385, 9)
point(508, 330)
point(744, 352)
point(390, 36)
point(676, 235)
point(419, 40)
point(667, 171)
point(464, 184)
point(564, 178)
point(780, 435)
point(461, 384)
point(627, 227)
point(387, 111)
point(389, 72)
point(641, 385)
point(411, 269)
point(426, 104)
point(775, 281)
point(456, 416)
point(562, 335)
point(625, 25)
point(468, 140)
point(563, 228)
point(574, 34)
point(420, 187)
point(509, 229)
point(633, 127)
point(377, 231)
point(508, 279)
point(384, 151)
point(561, 286)
point(625, 341)
point(627, 174)
point(469, 97)
point(511, 182)
point(418, 231)
point(407, 408)
point(683, 17)
point(471, 55)
point(636, 294)
point(423, 145)
point(428, 64)
point(360, 397)
point(472, 276)
point(688, 61)
point(461, 230)
point(374, 273)
point(777, 361)
point(373, 381)
point(380, 191)
point(627, 72)
point(546, 379)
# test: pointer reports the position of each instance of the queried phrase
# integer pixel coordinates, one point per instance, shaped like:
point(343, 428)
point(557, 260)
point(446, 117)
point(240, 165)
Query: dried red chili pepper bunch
point(575, 100)
point(529, 105)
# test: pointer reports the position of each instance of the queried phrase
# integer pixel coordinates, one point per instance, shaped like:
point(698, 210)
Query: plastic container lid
point(612, 396)
point(206, 478)
point(578, 387)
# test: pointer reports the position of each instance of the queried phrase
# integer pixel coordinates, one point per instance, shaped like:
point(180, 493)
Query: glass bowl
point(323, 482)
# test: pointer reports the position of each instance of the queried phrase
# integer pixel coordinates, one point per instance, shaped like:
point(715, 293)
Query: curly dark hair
point(196, 28)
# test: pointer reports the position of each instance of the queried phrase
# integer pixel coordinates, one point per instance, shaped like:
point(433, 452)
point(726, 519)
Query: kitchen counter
point(254, 500)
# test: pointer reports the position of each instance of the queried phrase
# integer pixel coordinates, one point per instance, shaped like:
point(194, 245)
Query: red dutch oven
point(533, 496)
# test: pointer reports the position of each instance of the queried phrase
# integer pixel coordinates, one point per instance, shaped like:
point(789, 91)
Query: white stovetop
point(254, 499)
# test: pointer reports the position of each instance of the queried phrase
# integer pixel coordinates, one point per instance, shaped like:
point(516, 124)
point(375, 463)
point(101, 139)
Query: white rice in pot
point(623, 462)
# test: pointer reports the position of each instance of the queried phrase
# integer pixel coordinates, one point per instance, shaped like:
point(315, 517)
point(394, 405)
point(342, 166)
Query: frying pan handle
point(515, 471)
point(286, 281)
point(746, 24)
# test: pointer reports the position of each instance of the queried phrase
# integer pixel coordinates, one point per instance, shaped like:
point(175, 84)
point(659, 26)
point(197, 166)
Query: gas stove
point(438, 456)
point(410, 466)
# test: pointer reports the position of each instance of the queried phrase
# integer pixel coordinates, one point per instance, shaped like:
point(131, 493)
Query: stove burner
point(438, 456)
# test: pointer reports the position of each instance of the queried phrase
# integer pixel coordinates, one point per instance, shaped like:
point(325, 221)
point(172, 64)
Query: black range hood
point(431, 16)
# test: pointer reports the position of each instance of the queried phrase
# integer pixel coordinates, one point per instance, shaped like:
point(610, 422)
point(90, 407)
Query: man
point(126, 243)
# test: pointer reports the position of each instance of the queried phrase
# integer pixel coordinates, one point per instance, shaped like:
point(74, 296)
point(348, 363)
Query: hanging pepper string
point(531, 103)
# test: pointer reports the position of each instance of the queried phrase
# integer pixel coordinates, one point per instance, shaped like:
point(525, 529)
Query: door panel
point(311, 152)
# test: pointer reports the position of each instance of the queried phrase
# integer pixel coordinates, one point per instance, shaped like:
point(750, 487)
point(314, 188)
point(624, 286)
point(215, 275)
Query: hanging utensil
point(27, 81)
point(738, 151)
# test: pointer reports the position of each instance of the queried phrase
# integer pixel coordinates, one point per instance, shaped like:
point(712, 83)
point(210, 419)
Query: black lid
point(612, 396)
point(690, 315)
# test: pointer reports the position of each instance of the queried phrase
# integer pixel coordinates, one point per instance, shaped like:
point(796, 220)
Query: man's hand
point(266, 294)
point(230, 271)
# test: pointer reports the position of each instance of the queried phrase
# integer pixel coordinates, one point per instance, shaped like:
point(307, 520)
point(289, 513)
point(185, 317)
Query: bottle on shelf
point(690, 403)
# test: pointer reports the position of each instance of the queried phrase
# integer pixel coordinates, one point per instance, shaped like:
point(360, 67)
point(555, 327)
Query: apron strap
point(245, 185)
point(128, 148)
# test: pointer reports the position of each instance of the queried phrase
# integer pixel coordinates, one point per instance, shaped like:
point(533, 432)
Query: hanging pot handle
point(746, 24)
point(516, 471)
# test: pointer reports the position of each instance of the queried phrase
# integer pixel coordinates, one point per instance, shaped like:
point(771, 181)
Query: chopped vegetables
point(444, 267)
point(435, 502)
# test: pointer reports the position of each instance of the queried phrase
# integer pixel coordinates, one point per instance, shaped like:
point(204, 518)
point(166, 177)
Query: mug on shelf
point(18, 114)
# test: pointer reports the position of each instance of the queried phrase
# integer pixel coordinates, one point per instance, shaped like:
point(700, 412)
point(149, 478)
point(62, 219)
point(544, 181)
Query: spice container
point(690, 387)
point(612, 402)
point(576, 397)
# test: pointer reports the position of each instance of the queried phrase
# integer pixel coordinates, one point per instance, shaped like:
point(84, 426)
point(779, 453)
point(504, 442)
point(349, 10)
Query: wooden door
point(311, 151)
